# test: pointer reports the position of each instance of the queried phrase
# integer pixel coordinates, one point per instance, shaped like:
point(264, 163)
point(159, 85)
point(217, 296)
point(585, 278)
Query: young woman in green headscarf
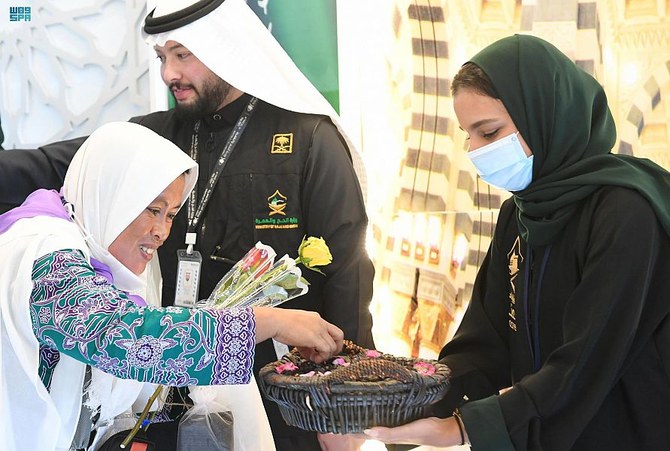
point(570, 312)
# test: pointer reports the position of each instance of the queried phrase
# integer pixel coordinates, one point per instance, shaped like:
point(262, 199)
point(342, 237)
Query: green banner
point(307, 30)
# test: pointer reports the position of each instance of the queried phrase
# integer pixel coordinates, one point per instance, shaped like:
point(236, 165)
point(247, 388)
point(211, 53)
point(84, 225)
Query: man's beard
point(210, 97)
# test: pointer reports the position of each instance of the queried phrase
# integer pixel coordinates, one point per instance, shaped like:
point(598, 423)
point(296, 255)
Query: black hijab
point(562, 113)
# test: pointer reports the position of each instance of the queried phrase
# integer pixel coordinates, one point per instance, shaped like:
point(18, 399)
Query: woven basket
point(370, 391)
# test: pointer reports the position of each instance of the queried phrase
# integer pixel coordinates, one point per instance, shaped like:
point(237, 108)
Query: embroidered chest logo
point(514, 259)
point(276, 217)
point(277, 203)
point(282, 143)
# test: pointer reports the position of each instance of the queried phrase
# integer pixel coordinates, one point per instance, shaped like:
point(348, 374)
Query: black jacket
point(579, 329)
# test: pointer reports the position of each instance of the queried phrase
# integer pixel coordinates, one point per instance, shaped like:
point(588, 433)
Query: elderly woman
point(570, 308)
point(73, 285)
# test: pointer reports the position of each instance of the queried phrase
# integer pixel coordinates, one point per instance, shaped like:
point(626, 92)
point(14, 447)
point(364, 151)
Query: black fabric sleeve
point(478, 355)
point(335, 210)
point(605, 323)
point(22, 171)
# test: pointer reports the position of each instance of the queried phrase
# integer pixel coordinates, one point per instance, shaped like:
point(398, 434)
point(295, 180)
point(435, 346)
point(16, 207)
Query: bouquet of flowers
point(258, 280)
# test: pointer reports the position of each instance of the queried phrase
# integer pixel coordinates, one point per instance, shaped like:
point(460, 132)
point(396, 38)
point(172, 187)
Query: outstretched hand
point(315, 338)
point(341, 442)
point(439, 432)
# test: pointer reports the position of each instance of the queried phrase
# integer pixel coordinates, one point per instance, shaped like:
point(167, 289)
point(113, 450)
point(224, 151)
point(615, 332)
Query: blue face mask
point(504, 164)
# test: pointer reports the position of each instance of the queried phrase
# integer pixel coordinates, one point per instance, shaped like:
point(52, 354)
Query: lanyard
point(195, 212)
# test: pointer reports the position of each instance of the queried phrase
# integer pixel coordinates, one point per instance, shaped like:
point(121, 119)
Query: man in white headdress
point(286, 173)
point(289, 175)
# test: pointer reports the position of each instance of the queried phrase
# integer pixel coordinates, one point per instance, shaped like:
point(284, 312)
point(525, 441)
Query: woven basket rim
point(295, 382)
point(271, 377)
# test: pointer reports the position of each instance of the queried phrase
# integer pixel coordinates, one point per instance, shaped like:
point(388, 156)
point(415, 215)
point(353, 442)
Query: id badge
point(188, 278)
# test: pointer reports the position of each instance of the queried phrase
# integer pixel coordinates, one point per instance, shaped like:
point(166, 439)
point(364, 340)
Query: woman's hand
point(440, 432)
point(315, 338)
point(339, 442)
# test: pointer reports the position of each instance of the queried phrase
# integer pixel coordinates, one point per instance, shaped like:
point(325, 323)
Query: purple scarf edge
point(49, 203)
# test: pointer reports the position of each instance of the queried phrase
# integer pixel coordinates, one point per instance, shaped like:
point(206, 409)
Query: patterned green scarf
point(562, 113)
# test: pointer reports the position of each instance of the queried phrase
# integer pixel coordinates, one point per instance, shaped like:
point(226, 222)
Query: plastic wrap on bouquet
point(254, 263)
point(279, 284)
point(258, 280)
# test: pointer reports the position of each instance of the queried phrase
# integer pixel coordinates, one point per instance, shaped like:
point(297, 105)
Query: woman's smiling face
point(136, 245)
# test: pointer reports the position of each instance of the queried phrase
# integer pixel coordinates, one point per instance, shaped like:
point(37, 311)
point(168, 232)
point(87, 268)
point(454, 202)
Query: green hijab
point(563, 115)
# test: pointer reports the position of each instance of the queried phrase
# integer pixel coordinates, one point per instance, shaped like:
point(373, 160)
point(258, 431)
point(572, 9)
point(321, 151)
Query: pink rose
point(288, 366)
point(372, 353)
point(424, 368)
point(340, 361)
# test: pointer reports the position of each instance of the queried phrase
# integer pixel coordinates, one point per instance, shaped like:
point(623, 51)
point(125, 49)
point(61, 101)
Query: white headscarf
point(116, 173)
point(234, 44)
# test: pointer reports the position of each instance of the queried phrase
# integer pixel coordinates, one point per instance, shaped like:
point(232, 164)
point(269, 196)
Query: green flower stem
point(259, 283)
point(142, 417)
